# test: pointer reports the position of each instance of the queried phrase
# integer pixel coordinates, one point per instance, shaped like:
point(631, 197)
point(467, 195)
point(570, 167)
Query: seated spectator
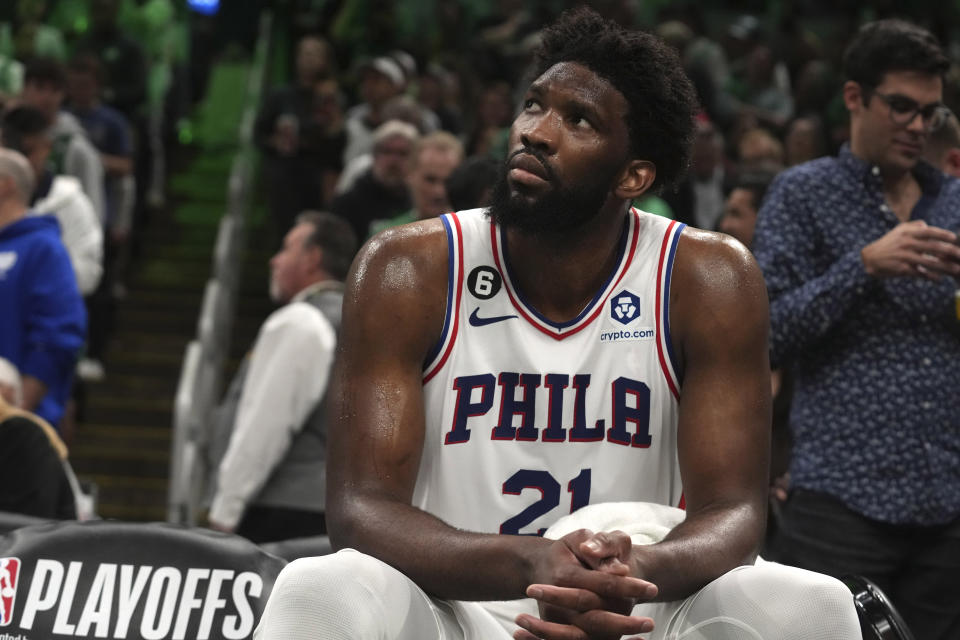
point(299, 129)
point(759, 83)
point(804, 140)
point(33, 480)
point(742, 204)
point(26, 130)
point(380, 79)
point(470, 185)
point(758, 149)
point(434, 157)
point(42, 319)
point(381, 191)
point(433, 94)
point(493, 117)
point(271, 480)
point(943, 147)
point(705, 180)
point(72, 153)
point(402, 108)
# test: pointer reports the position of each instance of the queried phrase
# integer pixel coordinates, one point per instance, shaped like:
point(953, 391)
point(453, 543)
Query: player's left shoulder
point(714, 260)
point(715, 276)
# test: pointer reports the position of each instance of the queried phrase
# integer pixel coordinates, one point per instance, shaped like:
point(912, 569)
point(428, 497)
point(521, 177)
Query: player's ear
point(637, 177)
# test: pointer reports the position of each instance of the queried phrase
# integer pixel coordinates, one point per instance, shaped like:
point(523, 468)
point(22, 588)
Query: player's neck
point(560, 275)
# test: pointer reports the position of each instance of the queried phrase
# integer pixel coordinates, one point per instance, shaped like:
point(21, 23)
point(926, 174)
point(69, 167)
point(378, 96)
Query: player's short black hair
point(892, 45)
point(335, 237)
point(19, 123)
point(46, 71)
point(661, 99)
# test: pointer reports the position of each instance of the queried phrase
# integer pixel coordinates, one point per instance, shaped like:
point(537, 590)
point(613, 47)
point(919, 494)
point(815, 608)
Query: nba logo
point(9, 573)
point(625, 307)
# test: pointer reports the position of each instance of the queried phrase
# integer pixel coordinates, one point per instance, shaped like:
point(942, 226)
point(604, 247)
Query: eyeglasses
point(903, 110)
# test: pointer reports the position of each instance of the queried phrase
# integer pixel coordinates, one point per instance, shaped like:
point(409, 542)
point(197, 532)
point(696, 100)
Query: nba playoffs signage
point(130, 581)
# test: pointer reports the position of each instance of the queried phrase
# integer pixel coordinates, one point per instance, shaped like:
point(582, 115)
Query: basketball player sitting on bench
point(500, 369)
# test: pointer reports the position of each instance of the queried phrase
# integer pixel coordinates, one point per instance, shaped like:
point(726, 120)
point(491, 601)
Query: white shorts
point(353, 596)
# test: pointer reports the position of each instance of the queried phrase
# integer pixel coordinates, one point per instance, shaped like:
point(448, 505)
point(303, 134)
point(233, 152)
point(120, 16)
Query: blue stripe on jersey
point(621, 250)
point(451, 282)
point(674, 241)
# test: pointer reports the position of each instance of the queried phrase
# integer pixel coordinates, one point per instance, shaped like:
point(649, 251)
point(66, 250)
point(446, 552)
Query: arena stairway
point(122, 440)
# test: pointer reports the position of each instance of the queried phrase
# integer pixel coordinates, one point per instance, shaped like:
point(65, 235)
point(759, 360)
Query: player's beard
point(557, 210)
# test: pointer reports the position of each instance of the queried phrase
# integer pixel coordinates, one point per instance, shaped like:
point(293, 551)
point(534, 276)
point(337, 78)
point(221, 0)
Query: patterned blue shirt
point(876, 410)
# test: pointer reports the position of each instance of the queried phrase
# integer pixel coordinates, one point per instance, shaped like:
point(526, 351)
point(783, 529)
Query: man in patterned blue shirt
point(860, 257)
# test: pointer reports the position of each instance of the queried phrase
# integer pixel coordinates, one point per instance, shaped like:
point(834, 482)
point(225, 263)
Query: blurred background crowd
point(378, 111)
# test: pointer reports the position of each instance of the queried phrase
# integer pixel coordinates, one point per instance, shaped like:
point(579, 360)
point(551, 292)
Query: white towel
point(644, 522)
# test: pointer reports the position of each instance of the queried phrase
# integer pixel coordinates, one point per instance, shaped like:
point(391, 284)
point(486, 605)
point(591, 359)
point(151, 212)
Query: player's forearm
point(702, 548)
point(443, 561)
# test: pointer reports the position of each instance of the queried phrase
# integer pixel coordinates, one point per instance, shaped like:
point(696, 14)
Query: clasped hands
point(585, 588)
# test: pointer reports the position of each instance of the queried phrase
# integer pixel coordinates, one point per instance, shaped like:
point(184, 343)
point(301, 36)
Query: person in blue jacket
point(42, 317)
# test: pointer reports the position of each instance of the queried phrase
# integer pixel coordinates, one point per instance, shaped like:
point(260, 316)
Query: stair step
point(146, 465)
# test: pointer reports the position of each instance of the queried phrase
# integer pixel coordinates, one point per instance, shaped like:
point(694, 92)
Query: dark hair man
point(860, 259)
point(44, 88)
point(498, 372)
point(740, 208)
point(270, 482)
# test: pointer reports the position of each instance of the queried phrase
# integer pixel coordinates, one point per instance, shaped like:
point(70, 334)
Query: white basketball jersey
point(528, 420)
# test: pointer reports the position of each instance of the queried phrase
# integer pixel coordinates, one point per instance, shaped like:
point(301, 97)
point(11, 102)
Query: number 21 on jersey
point(549, 488)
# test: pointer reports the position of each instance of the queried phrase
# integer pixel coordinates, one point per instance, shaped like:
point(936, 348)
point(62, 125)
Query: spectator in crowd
point(758, 149)
point(42, 322)
point(433, 158)
point(402, 108)
point(433, 94)
point(33, 480)
point(492, 121)
point(758, 87)
point(122, 57)
point(804, 140)
point(743, 202)
point(110, 133)
point(382, 189)
point(380, 79)
point(27, 131)
point(470, 184)
point(416, 407)
point(860, 257)
point(707, 176)
point(271, 481)
point(300, 130)
point(943, 147)
point(72, 153)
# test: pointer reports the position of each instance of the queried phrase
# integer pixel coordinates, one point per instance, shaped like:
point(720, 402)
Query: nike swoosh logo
point(477, 321)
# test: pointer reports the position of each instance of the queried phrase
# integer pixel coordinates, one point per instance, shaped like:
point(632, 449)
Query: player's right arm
point(393, 314)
